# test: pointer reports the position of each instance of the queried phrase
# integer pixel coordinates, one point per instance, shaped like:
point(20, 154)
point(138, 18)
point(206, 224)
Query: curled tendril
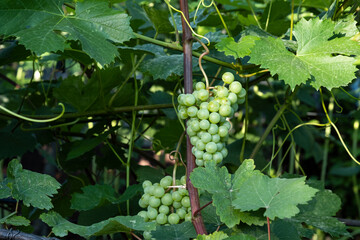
point(32, 119)
point(336, 102)
point(183, 15)
point(200, 65)
point(172, 158)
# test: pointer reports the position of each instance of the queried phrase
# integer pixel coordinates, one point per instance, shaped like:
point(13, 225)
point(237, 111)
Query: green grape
point(180, 99)
point(199, 162)
point(176, 204)
point(143, 214)
point(213, 129)
point(206, 137)
point(185, 201)
point(176, 196)
point(173, 218)
point(200, 145)
point(223, 131)
point(164, 209)
point(217, 157)
point(232, 98)
point(159, 191)
point(154, 202)
point(189, 100)
point(224, 152)
point(204, 105)
point(193, 150)
point(205, 124)
point(228, 77)
point(195, 125)
point(192, 111)
point(235, 106)
point(219, 146)
point(214, 117)
point(190, 132)
point(147, 235)
point(199, 134)
point(183, 180)
point(166, 181)
point(199, 154)
point(199, 86)
point(183, 191)
point(145, 198)
point(211, 147)
point(203, 113)
point(152, 213)
point(235, 87)
point(215, 138)
point(194, 139)
point(222, 92)
point(242, 93)
point(225, 110)
point(167, 199)
point(146, 183)
point(183, 114)
point(188, 217)
point(203, 95)
point(161, 218)
point(213, 106)
point(227, 125)
point(207, 156)
point(181, 212)
point(142, 204)
point(241, 100)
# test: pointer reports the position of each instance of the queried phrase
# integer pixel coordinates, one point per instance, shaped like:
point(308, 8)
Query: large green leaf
point(42, 26)
point(32, 188)
point(236, 49)
point(61, 227)
point(220, 184)
point(278, 196)
point(92, 196)
point(322, 57)
point(319, 213)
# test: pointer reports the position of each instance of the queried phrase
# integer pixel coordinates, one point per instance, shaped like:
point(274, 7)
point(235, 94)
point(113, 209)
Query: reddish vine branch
point(187, 38)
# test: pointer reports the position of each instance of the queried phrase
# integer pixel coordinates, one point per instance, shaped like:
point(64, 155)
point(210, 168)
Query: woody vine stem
point(187, 38)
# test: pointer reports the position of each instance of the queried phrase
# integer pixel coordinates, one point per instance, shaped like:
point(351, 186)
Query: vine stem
point(268, 227)
point(188, 85)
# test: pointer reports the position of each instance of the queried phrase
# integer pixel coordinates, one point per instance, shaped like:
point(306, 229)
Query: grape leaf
point(183, 231)
point(61, 227)
point(42, 26)
point(237, 49)
point(15, 220)
point(92, 196)
point(5, 191)
point(214, 236)
point(279, 197)
point(220, 184)
point(319, 211)
point(33, 188)
point(314, 58)
point(17, 143)
point(241, 236)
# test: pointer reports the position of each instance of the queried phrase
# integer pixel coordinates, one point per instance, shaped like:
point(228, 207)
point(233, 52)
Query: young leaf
point(314, 58)
point(42, 26)
point(236, 49)
point(61, 227)
point(279, 197)
point(183, 231)
point(92, 196)
point(15, 221)
point(32, 188)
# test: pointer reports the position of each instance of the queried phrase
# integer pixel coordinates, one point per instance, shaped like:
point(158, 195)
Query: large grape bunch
point(207, 112)
point(165, 204)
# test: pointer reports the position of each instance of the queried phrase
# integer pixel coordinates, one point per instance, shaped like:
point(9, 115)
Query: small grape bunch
point(207, 112)
point(165, 205)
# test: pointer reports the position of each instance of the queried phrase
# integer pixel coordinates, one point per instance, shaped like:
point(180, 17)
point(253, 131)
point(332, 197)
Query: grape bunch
point(163, 204)
point(207, 111)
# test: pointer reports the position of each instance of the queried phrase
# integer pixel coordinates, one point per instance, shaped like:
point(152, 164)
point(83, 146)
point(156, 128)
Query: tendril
point(182, 14)
point(336, 102)
point(32, 119)
point(336, 129)
point(351, 96)
point(200, 65)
